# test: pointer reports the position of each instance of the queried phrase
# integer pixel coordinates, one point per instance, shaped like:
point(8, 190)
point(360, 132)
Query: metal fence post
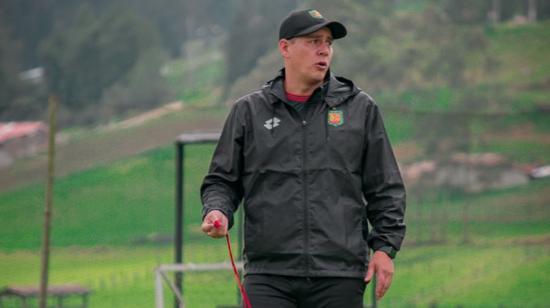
point(181, 141)
point(178, 236)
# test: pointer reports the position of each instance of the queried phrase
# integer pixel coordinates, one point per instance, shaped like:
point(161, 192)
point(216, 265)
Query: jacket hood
point(336, 89)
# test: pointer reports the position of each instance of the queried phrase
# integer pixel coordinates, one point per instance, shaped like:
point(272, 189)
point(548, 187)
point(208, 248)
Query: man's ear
point(283, 48)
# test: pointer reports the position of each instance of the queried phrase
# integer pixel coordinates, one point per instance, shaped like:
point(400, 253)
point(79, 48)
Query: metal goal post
point(179, 268)
point(161, 276)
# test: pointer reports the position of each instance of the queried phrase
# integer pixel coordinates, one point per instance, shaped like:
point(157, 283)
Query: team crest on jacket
point(335, 117)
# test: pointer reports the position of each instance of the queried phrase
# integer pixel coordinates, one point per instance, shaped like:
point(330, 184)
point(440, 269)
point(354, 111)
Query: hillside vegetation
point(512, 102)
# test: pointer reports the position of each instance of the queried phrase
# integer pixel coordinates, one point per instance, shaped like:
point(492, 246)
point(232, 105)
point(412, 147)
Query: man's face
point(309, 56)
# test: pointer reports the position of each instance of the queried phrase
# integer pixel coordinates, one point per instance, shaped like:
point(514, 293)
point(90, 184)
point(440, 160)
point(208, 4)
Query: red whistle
point(217, 224)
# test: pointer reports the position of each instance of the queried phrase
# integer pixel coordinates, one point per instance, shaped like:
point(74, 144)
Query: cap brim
point(337, 29)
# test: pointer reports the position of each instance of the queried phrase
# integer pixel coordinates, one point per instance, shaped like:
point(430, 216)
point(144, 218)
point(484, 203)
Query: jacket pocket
point(345, 147)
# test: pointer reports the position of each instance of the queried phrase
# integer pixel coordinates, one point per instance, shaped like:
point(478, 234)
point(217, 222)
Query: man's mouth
point(321, 65)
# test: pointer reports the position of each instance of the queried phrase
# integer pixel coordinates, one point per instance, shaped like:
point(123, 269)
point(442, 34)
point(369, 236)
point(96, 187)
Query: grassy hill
point(131, 201)
point(519, 84)
point(118, 203)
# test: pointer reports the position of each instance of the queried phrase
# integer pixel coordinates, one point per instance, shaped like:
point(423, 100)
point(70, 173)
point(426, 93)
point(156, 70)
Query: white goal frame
point(160, 276)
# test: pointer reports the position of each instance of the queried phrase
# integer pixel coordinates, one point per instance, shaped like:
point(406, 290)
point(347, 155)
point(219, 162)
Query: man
point(309, 155)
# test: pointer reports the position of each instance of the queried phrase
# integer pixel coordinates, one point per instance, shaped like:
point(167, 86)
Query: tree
point(408, 49)
point(8, 68)
point(29, 21)
point(253, 33)
point(89, 47)
point(179, 21)
point(92, 51)
point(389, 50)
point(475, 11)
point(472, 11)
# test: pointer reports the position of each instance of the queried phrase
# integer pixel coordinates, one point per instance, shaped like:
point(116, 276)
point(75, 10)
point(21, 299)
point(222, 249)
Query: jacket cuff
point(376, 245)
point(389, 250)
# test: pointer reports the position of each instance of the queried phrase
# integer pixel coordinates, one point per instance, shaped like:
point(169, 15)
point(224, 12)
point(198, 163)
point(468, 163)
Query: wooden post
point(469, 168)
point(52, 108)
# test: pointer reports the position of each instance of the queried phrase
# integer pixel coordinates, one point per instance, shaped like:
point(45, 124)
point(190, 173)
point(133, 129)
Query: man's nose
point(324, 49)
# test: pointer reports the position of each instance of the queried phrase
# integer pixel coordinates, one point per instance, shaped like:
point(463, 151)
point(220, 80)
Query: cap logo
point(315, 14)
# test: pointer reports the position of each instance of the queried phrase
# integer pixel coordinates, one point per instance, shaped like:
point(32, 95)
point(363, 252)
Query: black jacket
point(309, 182)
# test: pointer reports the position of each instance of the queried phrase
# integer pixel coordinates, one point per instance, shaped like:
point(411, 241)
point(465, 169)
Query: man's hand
point(381, 265)
point(208, 224)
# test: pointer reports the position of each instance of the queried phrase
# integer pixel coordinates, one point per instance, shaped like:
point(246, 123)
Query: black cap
point(304, 22)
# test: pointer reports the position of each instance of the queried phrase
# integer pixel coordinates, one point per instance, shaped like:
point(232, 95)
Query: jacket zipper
point(305, 182)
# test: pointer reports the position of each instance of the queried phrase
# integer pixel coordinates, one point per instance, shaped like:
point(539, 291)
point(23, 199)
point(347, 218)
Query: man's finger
point(381, 288)
point(380, 293)
point(206, 227)
point(383, 282)
point(370, 272)
point(211, 230)
point(216, 234)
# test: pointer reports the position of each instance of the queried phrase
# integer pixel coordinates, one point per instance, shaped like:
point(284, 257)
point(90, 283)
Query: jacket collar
point(336, 89)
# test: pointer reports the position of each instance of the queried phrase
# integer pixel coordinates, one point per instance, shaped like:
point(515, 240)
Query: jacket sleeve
point(383, 186)
point(222, 186)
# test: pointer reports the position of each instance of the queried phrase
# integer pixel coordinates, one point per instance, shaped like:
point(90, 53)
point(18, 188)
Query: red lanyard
point(247, 304)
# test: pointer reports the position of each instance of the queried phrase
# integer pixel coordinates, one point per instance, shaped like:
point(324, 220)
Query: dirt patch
point(525, 132)
point(108, 146)
point(407, 151)
point(145, 117)
point(532, 240)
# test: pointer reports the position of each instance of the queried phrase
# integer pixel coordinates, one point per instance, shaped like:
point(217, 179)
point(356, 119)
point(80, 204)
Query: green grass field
point(488, 275)
point(114, 204)
point(104, 216)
